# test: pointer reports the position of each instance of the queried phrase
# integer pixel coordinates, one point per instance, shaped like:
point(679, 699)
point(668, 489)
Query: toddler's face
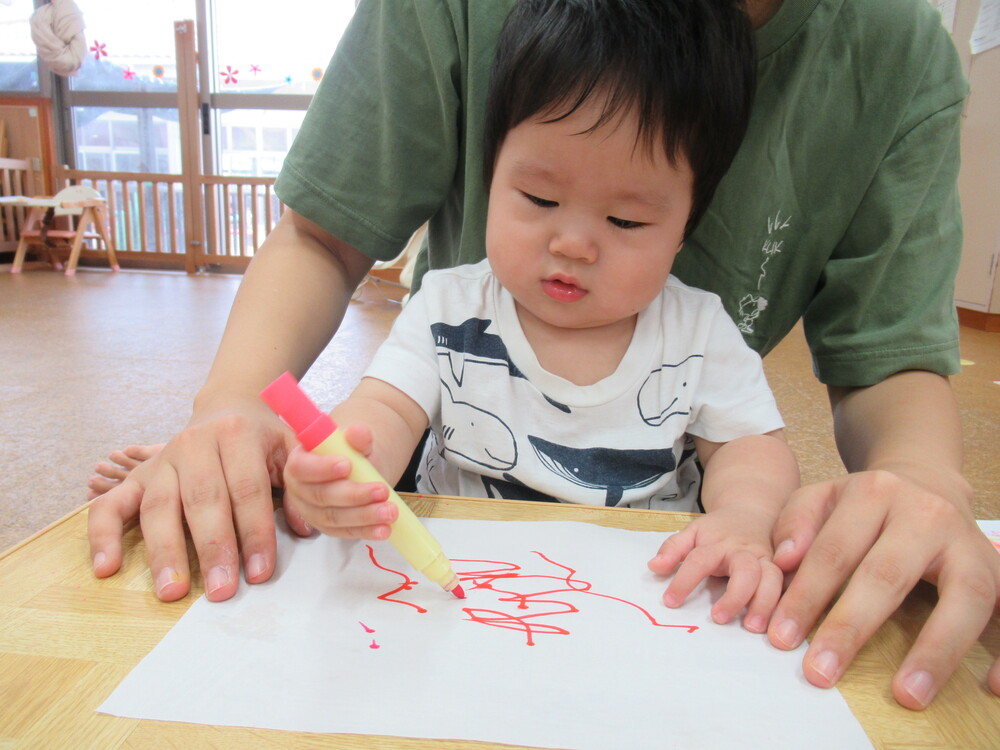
point(583, 228)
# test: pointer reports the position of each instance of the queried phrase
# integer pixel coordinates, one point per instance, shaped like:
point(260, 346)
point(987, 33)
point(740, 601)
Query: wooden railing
point(15, 179)
point(239, 214)
point(148, 224)
point(186, 220)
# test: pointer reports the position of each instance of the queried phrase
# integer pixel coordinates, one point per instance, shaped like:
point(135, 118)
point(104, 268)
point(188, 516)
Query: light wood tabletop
point(68, 639)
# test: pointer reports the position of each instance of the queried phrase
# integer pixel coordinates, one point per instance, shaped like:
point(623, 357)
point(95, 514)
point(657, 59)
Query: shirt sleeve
point(378, 146)
point(408, 358)
point(733, 398)
point(885, 301)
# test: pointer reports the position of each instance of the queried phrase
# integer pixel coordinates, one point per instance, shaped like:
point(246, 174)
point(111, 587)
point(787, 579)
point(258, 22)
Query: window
point(123, 58)
point(284, 54)
point(257, 72)
point(18, 59)
point(254, 141)
point(122, 139)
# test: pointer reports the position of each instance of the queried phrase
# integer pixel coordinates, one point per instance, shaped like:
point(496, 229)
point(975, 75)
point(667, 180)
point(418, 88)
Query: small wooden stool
point(88, 211)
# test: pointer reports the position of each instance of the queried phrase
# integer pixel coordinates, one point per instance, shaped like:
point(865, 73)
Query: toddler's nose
point(575, 244)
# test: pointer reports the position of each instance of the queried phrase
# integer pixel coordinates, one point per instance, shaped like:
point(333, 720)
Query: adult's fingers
point(847, 535)
point(163, 531)
point(205, 497)
point(800, 521)
point(966, 598)
point(106, 520)
point(889, 570)
point(249, 486)
point(872, 537)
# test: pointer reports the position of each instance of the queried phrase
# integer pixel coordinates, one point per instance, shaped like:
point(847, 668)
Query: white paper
point(601, 664)
point(986, 33)
point(992, 531)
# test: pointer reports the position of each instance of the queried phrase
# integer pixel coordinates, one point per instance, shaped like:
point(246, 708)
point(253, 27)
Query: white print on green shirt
point(754, 303)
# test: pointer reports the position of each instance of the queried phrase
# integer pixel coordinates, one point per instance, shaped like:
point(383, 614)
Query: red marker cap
point(291, 403)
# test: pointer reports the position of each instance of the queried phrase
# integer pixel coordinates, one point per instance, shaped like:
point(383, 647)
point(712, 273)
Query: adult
point(841, 209)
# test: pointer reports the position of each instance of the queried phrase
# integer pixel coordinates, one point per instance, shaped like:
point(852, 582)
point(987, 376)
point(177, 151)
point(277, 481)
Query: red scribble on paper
point(374, 645)
point(367, 629)
point(407, 584)
point(541, 604)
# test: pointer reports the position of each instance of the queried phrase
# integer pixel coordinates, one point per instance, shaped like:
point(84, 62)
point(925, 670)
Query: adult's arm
point(216, 475)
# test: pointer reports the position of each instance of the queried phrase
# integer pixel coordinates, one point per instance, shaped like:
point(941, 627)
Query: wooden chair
point(87, 213)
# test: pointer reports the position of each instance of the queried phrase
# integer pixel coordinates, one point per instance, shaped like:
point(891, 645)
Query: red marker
point(319, 434)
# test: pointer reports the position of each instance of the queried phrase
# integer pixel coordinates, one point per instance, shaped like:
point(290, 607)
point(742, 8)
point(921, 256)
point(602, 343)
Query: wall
point(977, 288)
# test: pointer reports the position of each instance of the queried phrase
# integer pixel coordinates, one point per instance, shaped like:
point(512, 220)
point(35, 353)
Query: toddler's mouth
point(562, 290)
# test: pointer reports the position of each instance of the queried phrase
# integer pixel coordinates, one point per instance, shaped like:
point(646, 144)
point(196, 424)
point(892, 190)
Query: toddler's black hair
point(685, 67)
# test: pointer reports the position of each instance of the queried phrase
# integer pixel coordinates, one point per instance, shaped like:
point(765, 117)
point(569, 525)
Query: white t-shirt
point(502, 426)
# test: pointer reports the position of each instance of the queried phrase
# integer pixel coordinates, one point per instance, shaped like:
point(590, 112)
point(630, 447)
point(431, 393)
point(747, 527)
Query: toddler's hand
point(317, 488)
point(733, 542)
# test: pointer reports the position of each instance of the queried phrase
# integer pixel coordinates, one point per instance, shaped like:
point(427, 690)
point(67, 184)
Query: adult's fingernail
point(218, 577)
point(787, 632)
point(920, 685)
point(256, 566)
point(827, 664)
point(164, 578)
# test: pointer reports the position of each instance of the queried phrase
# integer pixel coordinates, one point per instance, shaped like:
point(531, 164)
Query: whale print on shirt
point(469, 343)
point(648, 400)
point(610, 469)
point(485, 439)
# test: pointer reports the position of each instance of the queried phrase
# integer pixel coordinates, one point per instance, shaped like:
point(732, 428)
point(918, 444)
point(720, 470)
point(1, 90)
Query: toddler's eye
point(540, 201)
point(625, 223)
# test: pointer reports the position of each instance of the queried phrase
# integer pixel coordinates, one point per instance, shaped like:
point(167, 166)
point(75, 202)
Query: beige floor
point(95, 362)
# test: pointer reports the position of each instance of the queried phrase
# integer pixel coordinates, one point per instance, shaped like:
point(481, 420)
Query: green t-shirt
point(841, 207)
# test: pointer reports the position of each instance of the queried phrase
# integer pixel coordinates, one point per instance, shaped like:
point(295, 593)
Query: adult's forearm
point(289, 305)
point(908, 424)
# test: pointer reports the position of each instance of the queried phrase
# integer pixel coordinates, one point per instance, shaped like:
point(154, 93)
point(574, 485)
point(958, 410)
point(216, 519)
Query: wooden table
point(67, 639)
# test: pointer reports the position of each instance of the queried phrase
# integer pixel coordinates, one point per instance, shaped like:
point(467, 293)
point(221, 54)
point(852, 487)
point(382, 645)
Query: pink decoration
point(98, 49)
point(229, 75)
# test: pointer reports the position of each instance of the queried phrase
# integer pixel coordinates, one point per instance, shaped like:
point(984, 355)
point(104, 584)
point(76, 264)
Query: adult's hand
point(215, 477)
point(904, 513)
point(885, 533)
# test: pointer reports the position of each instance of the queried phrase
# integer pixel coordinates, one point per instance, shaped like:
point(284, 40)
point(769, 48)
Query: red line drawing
point(367, 629)
point(408, 583)
point(374, 645)
point(542, 603)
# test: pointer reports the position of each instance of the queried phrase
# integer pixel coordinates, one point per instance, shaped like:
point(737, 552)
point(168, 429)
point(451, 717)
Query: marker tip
point(458, 592)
